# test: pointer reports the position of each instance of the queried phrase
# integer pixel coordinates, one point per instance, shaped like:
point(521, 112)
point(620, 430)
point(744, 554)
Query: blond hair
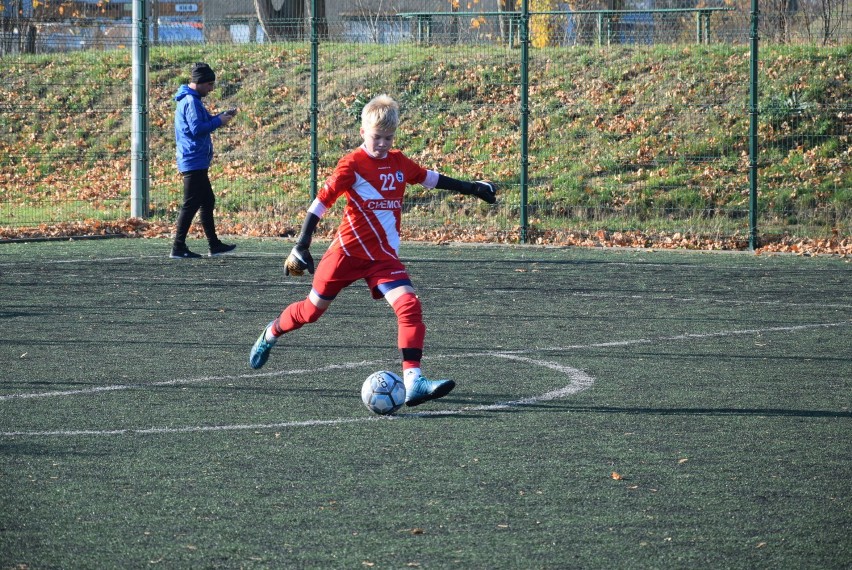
point(382, 113)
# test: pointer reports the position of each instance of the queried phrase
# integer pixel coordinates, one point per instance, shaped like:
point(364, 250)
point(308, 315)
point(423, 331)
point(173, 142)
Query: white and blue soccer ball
point(383, 392)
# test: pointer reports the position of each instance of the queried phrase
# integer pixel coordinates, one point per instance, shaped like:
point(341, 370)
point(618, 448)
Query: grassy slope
point(634, 135)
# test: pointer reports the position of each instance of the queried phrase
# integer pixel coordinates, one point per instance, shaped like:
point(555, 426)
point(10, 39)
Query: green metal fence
point(593, 120)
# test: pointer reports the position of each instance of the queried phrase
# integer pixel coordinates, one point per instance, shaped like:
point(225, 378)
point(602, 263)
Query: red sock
point(412, 331)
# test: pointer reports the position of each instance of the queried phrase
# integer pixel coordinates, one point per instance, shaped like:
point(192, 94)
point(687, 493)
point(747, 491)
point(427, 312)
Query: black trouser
point(197, 196)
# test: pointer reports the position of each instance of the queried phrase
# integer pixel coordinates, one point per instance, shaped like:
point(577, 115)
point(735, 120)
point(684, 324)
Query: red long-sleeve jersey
point(374, 190)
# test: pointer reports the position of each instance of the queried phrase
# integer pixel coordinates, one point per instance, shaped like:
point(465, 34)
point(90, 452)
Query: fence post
point(600, 28)
point(525, 112)
point(699, 35)
point(314, 103)
point(752, 131)
point(139, 135)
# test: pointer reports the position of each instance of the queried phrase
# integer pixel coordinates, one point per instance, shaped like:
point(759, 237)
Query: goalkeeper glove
point(300, 258)
point(481, 189)
point(485, 191)
point(298, 261)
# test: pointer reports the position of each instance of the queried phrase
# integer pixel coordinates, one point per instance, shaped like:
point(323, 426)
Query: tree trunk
point(283, 19)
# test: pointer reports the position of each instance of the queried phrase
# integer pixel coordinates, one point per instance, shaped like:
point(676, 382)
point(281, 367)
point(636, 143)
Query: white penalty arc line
point(579, 381)
point(366, 363)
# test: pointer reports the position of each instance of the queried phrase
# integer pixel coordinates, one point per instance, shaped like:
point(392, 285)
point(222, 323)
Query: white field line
point(286, 245)
point(39, 262)
point(367, 363)
point(201, 379)
point(583, 295)
point(685, 336)
point(657, 297)
point(579, 381)
point(164, 257)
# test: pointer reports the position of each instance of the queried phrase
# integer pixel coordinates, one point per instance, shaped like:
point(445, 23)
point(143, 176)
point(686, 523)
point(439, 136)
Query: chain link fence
point(613, 117)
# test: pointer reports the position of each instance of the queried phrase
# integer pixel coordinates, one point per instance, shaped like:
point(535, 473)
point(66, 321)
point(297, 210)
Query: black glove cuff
point(447, 183)
point(308, 228)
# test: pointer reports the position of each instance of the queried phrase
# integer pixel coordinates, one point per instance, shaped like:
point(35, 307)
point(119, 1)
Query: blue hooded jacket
point(193, 125)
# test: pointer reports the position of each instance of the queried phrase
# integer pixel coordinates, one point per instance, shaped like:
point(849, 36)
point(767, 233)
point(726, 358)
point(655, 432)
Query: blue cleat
point(260, 350)
point(425, 390)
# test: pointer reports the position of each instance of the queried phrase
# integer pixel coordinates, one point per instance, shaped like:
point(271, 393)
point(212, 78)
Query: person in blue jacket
point(193, 125)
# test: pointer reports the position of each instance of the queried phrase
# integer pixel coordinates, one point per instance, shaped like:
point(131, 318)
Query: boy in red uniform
point(373, 179)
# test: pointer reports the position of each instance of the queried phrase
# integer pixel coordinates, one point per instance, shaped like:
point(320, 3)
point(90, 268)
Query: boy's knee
point(408, 308)
point(309, 313)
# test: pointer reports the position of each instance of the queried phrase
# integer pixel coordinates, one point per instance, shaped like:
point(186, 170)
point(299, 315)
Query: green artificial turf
point(614, 409)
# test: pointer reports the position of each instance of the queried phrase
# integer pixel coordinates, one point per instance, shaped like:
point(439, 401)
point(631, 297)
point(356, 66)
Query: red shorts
point(337, 271)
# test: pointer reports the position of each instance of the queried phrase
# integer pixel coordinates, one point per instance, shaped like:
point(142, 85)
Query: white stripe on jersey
point(339, 240)
point(364, 189)
point(355, 233)
point(387, 219)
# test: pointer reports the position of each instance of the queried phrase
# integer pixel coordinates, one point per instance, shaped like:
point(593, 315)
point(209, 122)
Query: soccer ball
point(383, 392)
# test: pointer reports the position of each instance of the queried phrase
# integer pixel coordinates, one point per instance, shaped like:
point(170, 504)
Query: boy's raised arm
point(483, 190)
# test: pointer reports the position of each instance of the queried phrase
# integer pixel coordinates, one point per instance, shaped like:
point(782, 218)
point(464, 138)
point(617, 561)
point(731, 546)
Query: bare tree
point(506, 22)
point(778, 19)
point(818, 21)
point(17, 30)
point(833, 14)
point(370, 18)
point(285, 19)
point(584, 24)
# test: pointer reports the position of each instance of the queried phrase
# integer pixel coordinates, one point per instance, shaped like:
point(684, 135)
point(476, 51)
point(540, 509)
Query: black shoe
point(221, 248)
point(183, 253)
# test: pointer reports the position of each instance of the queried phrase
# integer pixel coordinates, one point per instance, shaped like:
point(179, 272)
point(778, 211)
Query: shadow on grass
point(20, 448)
point(717, 412)
point(483, 409)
